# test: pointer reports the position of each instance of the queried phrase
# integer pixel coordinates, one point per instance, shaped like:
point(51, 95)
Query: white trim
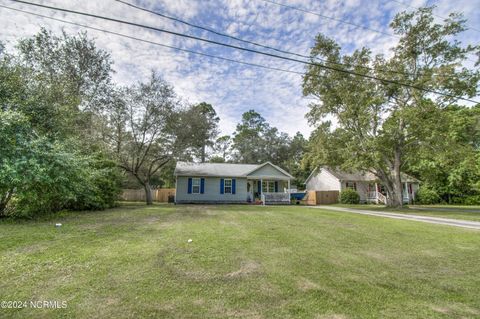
point(199, 185)
point(311, 175)
point(274, 166)
point(225, 186)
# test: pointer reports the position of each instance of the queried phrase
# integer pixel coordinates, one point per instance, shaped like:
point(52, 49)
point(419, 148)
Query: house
point(366, 184)
point(231, 183)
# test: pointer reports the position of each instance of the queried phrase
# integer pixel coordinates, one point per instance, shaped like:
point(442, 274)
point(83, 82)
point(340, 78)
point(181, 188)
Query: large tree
point(199, 123)
point(69, 82)
point(141, 122)
point(381, 125)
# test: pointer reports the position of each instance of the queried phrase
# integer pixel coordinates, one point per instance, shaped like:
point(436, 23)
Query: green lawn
point(445, 211)
point(244, 262)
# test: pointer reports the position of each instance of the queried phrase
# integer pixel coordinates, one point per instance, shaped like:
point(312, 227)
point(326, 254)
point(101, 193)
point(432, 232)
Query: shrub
point(39, 176)
point(427, 196)
point(349, 196)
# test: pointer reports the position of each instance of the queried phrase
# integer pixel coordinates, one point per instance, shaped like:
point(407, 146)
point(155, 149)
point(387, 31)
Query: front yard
point(243, 262)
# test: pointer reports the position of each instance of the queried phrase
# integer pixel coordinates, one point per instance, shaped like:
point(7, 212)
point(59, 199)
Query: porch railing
point(275, 198)
point(381, 198)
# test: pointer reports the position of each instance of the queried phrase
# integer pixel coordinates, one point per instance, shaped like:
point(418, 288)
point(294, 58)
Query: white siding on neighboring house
point(322, 180)
point(212, 191)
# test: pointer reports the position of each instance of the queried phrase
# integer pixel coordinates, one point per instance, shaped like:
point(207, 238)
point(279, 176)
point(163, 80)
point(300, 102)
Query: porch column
point(406, 191)
point(288, 189)
point(261, 186)
point(376, 192)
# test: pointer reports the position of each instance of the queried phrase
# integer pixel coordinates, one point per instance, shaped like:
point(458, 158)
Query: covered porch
point(377, 194)
point(269, 190)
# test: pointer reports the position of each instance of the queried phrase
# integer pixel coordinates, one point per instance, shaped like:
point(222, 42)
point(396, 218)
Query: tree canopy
point(381, 126)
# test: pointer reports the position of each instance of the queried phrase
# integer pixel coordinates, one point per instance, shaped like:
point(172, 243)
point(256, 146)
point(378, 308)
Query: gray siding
point(267, 171)
point(212, 191)
point(323, 181)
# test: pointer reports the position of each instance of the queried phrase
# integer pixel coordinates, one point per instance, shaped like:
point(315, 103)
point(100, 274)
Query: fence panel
point(327, 197)
point(158, 195)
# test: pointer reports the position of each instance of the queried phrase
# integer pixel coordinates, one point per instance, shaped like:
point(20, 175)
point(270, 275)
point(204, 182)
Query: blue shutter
point(189, 185)
point(259, 189)
point(222, 183)
point(202, 185)
point(233, 185)
point(276, 186)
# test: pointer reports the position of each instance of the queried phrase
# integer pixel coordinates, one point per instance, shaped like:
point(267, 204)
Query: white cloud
point(231, 88)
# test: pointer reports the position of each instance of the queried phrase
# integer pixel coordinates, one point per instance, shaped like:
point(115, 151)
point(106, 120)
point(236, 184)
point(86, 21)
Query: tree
point(452, 172)
point(199, 125)
point(141, 121)
point(222, 147)
point(381, 125)
point(249, 139)
point(69, 83)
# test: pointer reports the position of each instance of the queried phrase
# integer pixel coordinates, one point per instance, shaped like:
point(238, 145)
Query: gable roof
point(220, 169)
point(356, 176)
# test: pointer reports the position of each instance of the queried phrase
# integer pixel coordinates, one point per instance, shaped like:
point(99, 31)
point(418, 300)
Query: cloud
point(231, 88)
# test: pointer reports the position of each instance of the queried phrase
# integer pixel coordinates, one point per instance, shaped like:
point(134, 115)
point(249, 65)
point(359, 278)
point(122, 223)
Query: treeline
point(70, 138)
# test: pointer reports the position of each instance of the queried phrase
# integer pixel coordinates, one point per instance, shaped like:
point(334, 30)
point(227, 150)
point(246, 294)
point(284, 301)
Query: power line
point(251, 42)
point(211, 30)
point(154, 43)
point(436, 15)
point(330, 18)
point(248, 50)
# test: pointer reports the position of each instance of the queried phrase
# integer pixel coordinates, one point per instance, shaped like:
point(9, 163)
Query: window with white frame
point(227, 187)
point(195, 185)
point(351, 185)
point(271, 187)
point(268, 187)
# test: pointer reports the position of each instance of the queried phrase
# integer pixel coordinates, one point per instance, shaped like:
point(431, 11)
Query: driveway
point(425, 219)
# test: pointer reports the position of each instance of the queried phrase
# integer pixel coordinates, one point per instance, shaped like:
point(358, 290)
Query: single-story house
point(366, 184)
point(231, 183)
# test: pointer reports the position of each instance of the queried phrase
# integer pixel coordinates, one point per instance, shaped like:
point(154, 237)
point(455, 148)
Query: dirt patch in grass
point(306, 285)
point(247, 268)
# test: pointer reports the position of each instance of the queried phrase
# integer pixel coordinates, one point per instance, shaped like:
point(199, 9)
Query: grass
point(244, 262)
point(445, 211)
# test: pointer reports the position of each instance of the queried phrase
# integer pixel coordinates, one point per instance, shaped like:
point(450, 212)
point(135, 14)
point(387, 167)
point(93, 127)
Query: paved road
point(425, 219)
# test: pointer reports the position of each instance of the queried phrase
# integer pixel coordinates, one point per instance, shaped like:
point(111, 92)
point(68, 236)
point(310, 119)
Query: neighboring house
point(231, 183)
point(366, 184)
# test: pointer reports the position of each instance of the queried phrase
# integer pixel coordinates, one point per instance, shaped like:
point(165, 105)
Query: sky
point(231, 88)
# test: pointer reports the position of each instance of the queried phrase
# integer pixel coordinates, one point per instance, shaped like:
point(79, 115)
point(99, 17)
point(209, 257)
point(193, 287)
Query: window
point(268, 187)
point(351, 185)
point(195, 185)
point(227, 189)
point(271, 187)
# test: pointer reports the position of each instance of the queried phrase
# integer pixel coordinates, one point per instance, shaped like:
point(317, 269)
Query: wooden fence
point(158, 195)
point(321, 197)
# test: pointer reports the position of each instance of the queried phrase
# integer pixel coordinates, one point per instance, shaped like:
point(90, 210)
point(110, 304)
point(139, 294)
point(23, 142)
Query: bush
point(349, 196)
point(41, 176)
point(427, 196)
point(466, 200)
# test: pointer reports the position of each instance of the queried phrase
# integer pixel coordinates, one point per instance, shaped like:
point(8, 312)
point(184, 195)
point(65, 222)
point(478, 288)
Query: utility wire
point(251, 42)
point(248, 50)
point(330, 18)
point(351, 23)
point(211, 30)
point(154, 43)
point(438, 16)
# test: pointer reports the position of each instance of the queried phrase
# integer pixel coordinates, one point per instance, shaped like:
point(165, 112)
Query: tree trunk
point(396, 197)
point(148, 193)
point(203, 153)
